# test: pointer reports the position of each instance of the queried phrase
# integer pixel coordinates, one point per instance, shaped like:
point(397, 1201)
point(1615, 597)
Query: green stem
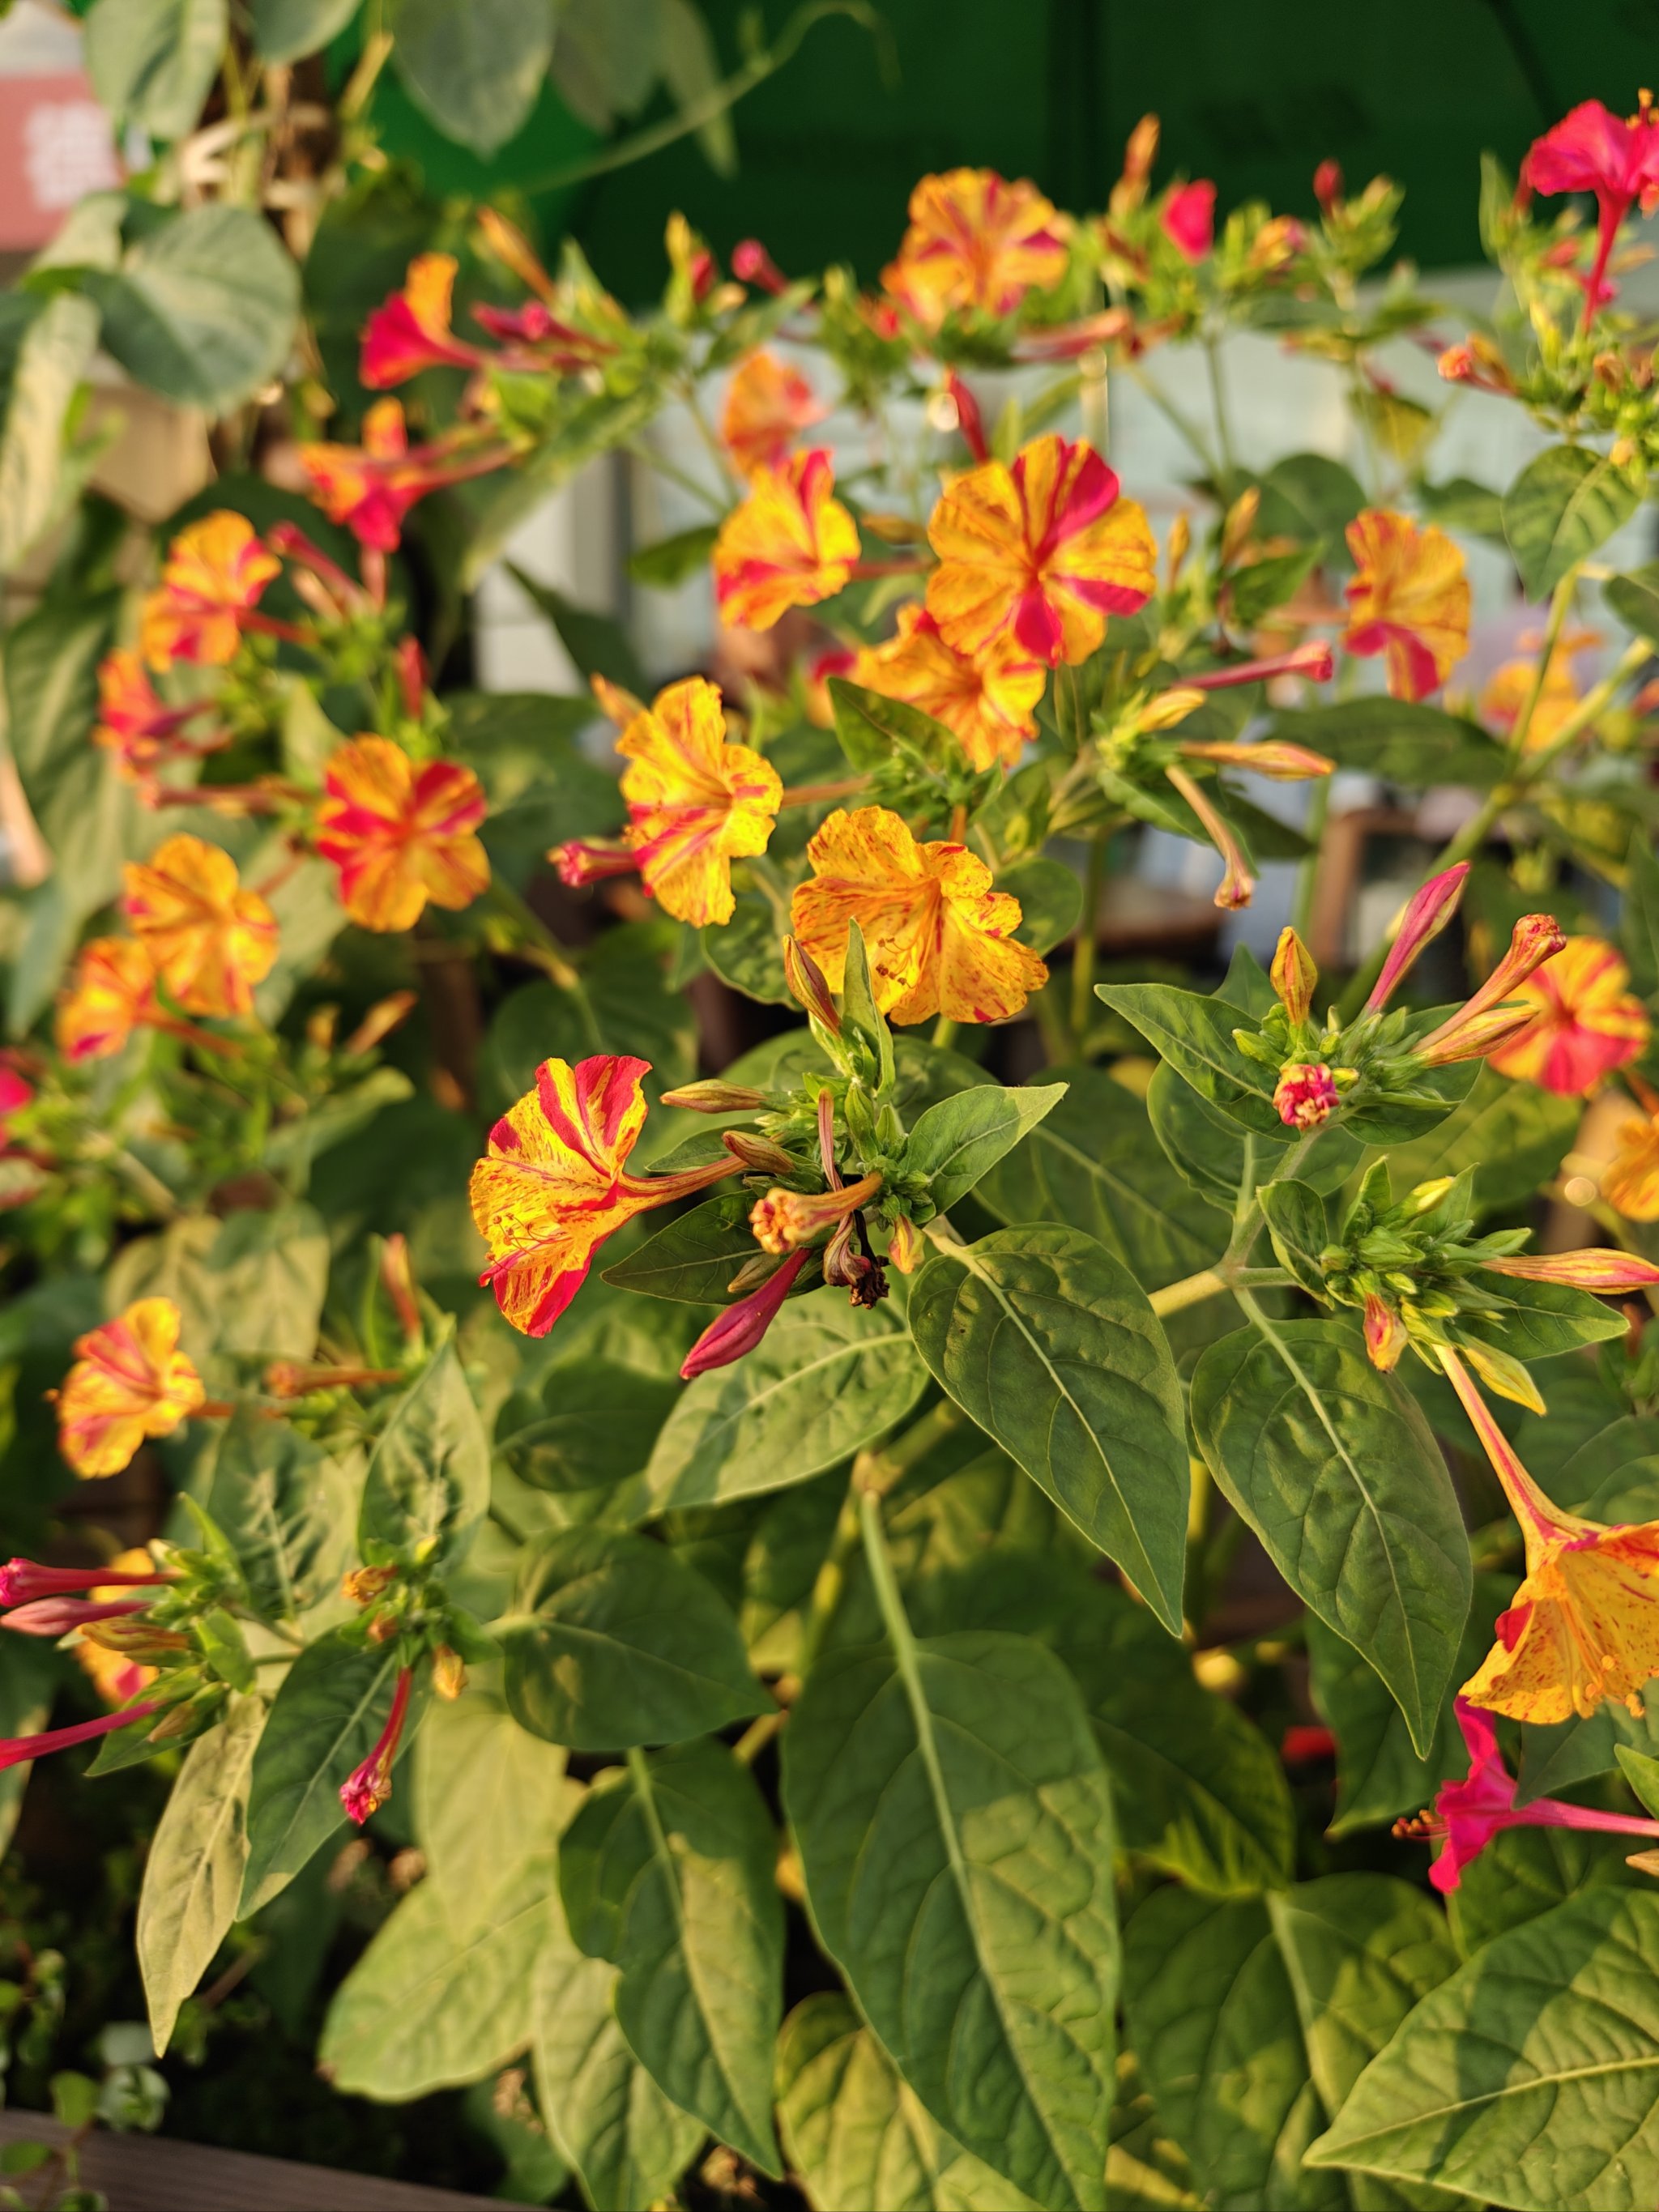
point(1166, 407)
point(944, 1032)
point(1560, 604)
point(1083, 959)
point(1307, 876)
point(1218, 401)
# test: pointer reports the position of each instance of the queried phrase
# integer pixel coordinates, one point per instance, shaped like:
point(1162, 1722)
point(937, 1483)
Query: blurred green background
point(1252, 93)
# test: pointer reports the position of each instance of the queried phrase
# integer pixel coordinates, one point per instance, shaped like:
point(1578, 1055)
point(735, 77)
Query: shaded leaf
point(428, 1484)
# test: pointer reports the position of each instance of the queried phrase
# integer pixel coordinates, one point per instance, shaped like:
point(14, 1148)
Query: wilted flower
point(782, 1220)
point(790, 544)
point(552, 1186)
point(1468, 1815)
point(695, 802)
point(210, 940)
point(400, 834)
point(1044, 550)
point(1584, 1624)
point(214, 575)
point(975, 245)
point(1408, 599)
point(940, 939)
point(1585, 1020)
point(768, 405)
point(130, 1381)
point(988, 699)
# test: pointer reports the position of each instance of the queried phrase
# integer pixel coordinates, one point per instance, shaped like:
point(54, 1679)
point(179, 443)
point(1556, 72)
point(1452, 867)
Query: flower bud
point(1293, 975)
point(1535, 938)
point(382, 1017)
point(783, 1220)
point(754, 1271)
point(1501, 1371)
point(758, 1155)
point(135, 1639)
point(1239, 522)
point(714, 1098)
point(1605, 1272)
point(1385, 1334)
point(1279, 763)
point(807, 982)
point(1426, 915)
point(741, 1327)
point(1472, 1040)
point(1306, 1096)
point(905, 1246)
point(57, 1616)
point(1313, 659)
point(1167, 708)
point(1177, 549)
point(1327, 188)
point(381, 1629)
point(584, 860)
point(752, 265)
point(177, 1722)
point(448, 1674)
point(1422, 1197)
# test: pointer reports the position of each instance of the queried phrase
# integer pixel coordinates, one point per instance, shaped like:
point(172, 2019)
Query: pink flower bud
point(1314, 660)
point(1427, 914)
point(742, 1326)
point(585, 861)
point(1606, 1272)
point(1385, 1334)
point(22, 1579)
point(752, 265)
point(969, 422)
point(1327, 187)
point(55, 1616)
point(16, 1751)
point(1306, 1096)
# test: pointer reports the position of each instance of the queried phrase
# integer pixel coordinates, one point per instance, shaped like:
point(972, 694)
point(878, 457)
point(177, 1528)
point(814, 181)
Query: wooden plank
point(154, 2174)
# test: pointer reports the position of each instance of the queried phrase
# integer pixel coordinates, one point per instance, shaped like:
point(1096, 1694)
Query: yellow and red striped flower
point(1630, 1181)
point(211, 581)
point(1586, 1021)
point(130, 1381)
point(1408, 599)
point(940, 939)
point(371, 488)
point(411, 331)
point(135, 727)
point(989, 699)
point(111, 994)
point(1044, 550)
point(789, 544)
point(210, 940)
point(400, 835)
point(975, 244)
point(552, 1186)
point(768, 405)
point(695, 803)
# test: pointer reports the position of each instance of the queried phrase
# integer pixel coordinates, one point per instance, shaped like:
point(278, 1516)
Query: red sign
point(55, 147)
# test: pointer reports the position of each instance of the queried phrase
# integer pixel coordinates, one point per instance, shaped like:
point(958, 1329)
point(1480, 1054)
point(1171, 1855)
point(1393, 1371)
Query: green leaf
point(1614, 1475)
point(429, 1479)
point(1050, 897)
point(1095, 1164)
point(153, 62)
point(1401, 740)
point(475, 70)
point(693, 1257)
point(1253, 592)
point(597, 644)
point(603, 2113)
point(193, 1872)
point(1635, 599)
point(594, 1426)
point(1378, 1775)
point(202, 309)
point(1540, 1321)
point(667, 1872)
point(1638, 928)
point(324, 1723)
point(747, 951)
point(624, 1005)
point(954, 1828)
point(1463, 505)
point(825, 1380)
point(1335, 1468)
point(44, 376)
point(1531, 2078)
point(963, 1137)
point(487, 1796)
point(1050, 1343)
point(1212, 2020)
point(249, 1287)
point(1514, 1135)
point(437, 2000)
point(1209, 1150)
point(669, 561)
point(288, 30)
point(859, 1013)
point(614, 1641)
point(1194, 1037)
point(1297, 1223)
point(691, 70)
point(285, 1506)
point(877, 732)
point(1562, 506)
point(1524, 1872)
point(856, 2135)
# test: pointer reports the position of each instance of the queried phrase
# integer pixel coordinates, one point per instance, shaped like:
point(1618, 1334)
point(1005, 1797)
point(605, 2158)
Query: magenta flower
point(741, 1327)
point(368, 1787)
point(22, 1579)
point(55, 1616)
point(1592, 151)
point(18, 1750)
point(1188, 219)
point(1468, 1815)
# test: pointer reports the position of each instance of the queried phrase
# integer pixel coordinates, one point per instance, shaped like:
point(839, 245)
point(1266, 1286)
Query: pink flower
point(1188, 219)
point(1306, 1095)
point(18, 1750)
point(752, 265)
point(55, 1616)
point(368, 1787)
point(742, 1326)
point(1591, 150)
point(1468, 1815)
point(21, 1580)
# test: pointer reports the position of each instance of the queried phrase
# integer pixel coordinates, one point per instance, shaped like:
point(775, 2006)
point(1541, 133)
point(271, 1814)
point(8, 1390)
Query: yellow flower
point(111, 994)
point(130, 1381)
point(213, 577)
point(1408, 599)
point(400, 835)
point(988, 700)
point(768, 405)
point(939, 939)
point(1043, 551)
point(695, 802)
point(1630, 1181)
point(1587, 1021)
point(1584, 1624)
point(210, 940)
point(976, 243)
point(790, 544)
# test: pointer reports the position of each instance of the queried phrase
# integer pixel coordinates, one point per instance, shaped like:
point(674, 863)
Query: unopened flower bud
point(1306, 1096)
point(320, 1027)
point(1167, 708)
point(1279, 763)
point(1385, 1334)
point(742, 1326)
point(1179, 545)
point(1472, 1040)
point(1503, 1373)
point(135, 1639)
point(1426, 915)
point(177, 1721)
point(1293, 975)
point(905, 1246)
point(752, 265)
point(382, 1017)
point(1327, 188)
point(1606, 1272)
point(714, 1098)
point(809, 985)
point(583, 861)
point(381, 1629)
point(448, 1674)
point(758, 1155)
point(1535, 938)
point(752, 1273)
point(1239, 523)
point(1422, 1197)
